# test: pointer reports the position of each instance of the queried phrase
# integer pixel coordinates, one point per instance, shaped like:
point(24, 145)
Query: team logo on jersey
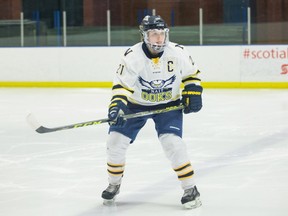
point(157, 90)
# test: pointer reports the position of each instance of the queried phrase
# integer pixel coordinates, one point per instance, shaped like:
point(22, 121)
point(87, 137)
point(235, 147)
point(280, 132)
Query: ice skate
point(110, 193)
point(191, 198)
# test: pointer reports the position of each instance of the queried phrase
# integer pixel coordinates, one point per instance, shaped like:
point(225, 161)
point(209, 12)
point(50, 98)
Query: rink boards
point(222, 66)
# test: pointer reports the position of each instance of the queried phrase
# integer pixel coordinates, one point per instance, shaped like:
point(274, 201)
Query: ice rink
point(238, 144)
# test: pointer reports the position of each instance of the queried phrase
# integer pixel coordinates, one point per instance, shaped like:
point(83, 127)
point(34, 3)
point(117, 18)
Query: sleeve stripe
point(119, 97)
point(191, 79)
point(120, 87)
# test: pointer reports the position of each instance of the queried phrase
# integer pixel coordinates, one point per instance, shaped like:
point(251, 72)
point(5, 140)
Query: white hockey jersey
point(153, 81)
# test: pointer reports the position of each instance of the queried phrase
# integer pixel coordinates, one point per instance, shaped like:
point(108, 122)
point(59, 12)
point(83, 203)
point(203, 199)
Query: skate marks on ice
point(243, 154)
point(238, 172)
point(145, 208)
point(145, 201)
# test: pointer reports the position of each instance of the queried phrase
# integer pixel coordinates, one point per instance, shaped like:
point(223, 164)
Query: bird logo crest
point(158, 83)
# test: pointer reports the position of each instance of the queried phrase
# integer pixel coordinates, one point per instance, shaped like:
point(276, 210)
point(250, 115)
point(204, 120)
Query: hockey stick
point(41, 129)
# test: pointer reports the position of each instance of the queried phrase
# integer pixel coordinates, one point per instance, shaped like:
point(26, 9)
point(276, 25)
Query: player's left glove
point(192, 98)
point(115, 113)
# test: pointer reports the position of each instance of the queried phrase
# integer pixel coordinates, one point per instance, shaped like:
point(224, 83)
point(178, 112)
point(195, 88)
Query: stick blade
point(34, 124)
point(32, 121)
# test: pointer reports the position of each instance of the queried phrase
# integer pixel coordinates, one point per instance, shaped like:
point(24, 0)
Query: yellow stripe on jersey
point(118, 91)
point(120, 87)
point(118, 97)
point(192, 79)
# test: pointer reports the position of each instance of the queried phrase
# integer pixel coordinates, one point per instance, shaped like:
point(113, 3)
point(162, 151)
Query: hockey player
point(149, 77)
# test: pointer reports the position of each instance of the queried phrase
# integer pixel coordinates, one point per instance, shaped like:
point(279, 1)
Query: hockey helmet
point(150, 23)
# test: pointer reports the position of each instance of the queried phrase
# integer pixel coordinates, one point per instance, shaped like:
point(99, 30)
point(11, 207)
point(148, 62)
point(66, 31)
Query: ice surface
point(238, 145)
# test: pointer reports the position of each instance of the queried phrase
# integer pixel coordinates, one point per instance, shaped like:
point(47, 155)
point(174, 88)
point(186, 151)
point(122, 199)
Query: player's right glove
point(192, 98)
point(115, 113)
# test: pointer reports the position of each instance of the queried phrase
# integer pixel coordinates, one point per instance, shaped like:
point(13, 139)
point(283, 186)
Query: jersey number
point(120, 69)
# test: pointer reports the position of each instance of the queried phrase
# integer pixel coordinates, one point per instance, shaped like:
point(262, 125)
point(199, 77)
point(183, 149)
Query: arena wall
point(221, 66)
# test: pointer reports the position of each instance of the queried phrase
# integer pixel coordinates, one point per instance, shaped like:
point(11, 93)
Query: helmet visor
point(156, 39)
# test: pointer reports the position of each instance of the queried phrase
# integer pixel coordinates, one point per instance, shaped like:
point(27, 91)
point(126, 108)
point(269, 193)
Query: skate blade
point(193, 204)
point(110, 202)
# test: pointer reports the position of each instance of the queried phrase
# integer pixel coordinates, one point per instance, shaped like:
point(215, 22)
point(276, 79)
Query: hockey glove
point(115, 113)
point(192, 98)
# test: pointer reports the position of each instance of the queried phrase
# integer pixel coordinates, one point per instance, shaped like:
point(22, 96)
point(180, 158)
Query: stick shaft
point(41, 129)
